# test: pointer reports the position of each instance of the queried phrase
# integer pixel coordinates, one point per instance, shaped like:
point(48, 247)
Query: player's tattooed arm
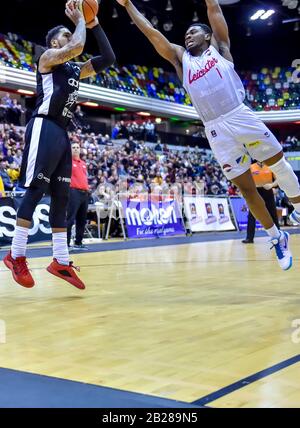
point(86, 69)
point(56, 55)
point(169, 51)
point(219, 27)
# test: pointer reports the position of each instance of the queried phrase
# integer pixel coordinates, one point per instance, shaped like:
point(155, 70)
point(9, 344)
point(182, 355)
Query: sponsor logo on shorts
point(227, 167)
point(214, 134)
point(64, 179)
point(242, 159)
point(254, 144)
point(42, 177)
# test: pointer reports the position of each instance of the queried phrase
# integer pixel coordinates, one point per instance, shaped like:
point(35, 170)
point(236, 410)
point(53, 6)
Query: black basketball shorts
point(47, 157)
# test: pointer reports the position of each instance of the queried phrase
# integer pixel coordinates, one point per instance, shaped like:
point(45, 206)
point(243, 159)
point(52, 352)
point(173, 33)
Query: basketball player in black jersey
point(47, 162)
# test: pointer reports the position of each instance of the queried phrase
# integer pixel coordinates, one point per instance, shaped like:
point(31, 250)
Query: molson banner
point(206, 214)
point(152, 218)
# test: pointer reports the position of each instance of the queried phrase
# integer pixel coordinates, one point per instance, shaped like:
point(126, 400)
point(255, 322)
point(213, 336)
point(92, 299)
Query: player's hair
point(204, 27)
point(37, 52)
point(52, 33)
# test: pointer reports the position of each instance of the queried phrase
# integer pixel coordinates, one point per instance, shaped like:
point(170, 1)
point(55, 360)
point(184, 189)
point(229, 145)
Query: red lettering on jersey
point(202, 72)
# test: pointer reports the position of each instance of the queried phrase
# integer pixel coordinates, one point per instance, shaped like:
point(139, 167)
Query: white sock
point(273, 232)
point(297, 207)
point(19, 242)
point(60, 248)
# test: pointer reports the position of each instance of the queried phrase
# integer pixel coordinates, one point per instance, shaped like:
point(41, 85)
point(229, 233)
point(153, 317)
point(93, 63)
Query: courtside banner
point(151, 219)
point(206, 214)
point(40, 229)
point(240, 209)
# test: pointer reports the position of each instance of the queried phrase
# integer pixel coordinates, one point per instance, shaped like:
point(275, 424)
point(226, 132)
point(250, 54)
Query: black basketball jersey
point(57, 93)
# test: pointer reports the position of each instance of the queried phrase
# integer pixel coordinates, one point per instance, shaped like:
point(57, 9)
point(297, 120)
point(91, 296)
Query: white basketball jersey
point(212, 84)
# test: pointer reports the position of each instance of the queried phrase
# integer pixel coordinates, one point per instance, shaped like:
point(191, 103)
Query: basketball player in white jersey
point(205, 66)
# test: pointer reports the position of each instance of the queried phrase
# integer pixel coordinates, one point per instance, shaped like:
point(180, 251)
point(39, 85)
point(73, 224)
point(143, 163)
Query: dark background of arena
point(269, 45)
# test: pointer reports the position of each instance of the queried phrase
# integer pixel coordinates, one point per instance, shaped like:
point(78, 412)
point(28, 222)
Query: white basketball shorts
point(238, 136)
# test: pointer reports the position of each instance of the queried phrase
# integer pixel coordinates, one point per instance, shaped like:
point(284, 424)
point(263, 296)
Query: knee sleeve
point(286, 178)
point(32, 197)
point(58, 212)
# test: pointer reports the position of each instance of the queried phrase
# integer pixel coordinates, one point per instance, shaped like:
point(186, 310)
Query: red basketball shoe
point(67, 273)
point(19, 270)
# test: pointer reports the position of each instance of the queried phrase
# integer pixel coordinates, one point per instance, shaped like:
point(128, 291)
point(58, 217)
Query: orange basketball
point(89, 9)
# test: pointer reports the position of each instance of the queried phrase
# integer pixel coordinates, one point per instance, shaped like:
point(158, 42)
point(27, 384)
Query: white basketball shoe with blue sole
point(295, 217)
point(284, 255)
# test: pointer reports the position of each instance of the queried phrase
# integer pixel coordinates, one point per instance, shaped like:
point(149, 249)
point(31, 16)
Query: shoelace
point(75, 267)
point(273, 243)
point(20, 265)
point(282, 248)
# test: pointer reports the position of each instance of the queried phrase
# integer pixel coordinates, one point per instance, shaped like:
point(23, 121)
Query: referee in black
point(79, 198)
point(265, 182)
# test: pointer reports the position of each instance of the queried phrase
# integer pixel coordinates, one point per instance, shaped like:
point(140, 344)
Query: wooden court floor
point(178, 321)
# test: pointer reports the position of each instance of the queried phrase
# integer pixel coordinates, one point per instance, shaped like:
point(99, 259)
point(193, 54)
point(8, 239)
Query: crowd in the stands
point(127, 165)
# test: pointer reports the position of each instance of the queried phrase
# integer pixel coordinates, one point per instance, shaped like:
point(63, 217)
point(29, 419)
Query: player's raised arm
point(69, 46)
point(219, 27)
point(171, 52)
point(100, 62)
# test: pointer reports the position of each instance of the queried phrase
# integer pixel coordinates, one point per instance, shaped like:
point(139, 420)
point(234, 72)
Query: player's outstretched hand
point(73, 12)
point(123, 2)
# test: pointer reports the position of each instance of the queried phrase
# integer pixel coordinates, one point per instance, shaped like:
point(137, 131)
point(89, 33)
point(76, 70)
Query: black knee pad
point(58, 211)
point(30, 200)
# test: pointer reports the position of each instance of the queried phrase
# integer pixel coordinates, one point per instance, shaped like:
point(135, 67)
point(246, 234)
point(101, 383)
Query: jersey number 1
point(219, 72)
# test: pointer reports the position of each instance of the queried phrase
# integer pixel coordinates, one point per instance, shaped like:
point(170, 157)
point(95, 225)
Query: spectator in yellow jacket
point(14, 172)
point(1, 188)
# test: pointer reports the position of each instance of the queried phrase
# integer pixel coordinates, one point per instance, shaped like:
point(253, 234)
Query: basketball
point(89, 9)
